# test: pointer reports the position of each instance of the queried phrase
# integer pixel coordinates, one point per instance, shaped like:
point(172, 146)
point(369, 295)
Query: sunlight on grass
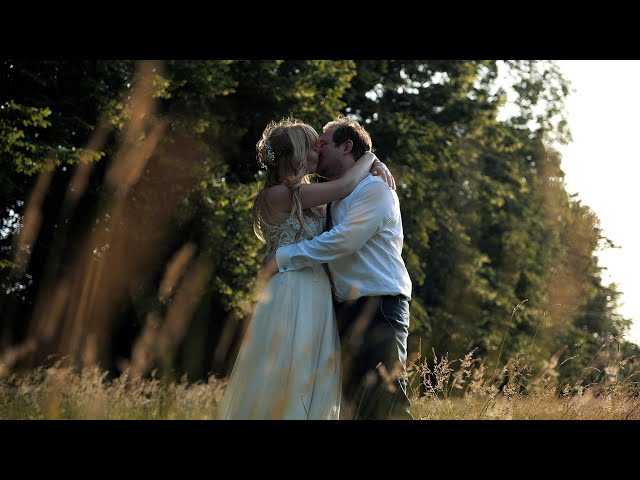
point(439, 392)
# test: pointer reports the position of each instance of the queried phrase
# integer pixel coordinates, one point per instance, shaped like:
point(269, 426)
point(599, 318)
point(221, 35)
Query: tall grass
point(461, 390)
point(62, 392)
point(441, 389)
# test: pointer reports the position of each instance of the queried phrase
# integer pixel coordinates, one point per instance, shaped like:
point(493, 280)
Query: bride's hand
point(380, 169)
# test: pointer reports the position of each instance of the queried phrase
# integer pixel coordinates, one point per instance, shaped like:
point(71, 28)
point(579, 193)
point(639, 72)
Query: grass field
point(444, 393)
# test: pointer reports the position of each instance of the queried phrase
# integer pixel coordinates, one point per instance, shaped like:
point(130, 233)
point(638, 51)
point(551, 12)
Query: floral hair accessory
point(271, 156)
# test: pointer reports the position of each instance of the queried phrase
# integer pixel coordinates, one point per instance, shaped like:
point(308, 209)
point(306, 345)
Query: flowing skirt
point(288, 366)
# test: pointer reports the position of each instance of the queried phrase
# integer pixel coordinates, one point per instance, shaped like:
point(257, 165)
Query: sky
point(602, 165)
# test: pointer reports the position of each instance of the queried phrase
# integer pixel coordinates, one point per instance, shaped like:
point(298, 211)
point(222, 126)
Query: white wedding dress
point(288, 366)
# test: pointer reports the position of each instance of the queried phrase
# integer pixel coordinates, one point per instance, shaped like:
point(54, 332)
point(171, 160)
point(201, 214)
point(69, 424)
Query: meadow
point(464, 389)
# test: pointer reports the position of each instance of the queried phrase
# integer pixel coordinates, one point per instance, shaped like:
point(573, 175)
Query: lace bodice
point(285, 232)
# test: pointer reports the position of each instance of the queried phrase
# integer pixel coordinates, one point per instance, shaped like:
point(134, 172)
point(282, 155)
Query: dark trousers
point(373, 335)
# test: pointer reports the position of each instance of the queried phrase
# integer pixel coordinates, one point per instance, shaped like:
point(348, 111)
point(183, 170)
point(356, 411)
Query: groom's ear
point(348, 146)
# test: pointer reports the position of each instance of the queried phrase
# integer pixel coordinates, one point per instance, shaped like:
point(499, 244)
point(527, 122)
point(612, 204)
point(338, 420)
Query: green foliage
point(27, 157)
point(229, 225)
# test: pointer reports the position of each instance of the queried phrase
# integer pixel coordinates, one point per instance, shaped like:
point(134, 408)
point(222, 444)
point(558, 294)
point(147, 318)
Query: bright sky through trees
point(602, 164)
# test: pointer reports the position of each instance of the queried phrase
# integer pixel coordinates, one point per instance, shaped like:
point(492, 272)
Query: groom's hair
point(348, 129)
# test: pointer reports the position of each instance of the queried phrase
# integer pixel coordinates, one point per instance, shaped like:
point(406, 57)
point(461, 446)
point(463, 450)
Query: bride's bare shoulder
point(278, 203)
point(279, 197)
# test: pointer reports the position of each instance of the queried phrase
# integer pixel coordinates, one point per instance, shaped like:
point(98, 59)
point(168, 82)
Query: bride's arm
point(314, 194)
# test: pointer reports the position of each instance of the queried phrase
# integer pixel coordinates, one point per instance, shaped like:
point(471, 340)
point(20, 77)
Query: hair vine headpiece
point(271, 156)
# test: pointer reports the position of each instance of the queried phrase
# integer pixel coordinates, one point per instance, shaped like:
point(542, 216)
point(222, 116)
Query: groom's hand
point(268, 269)
point(269, 264)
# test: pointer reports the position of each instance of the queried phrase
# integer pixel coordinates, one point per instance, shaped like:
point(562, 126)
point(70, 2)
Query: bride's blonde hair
point(282, 150)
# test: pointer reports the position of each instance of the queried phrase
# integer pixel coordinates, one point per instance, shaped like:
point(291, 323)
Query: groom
point(372, 287)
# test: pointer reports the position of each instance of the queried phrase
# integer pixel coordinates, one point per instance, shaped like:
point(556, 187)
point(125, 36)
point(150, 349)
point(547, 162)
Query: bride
point(288, 366)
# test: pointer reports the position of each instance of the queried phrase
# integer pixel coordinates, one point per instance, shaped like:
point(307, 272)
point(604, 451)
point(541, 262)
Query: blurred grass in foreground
point(446, 393)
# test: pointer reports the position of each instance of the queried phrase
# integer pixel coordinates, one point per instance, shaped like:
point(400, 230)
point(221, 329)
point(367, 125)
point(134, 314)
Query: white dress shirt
point(363, 249)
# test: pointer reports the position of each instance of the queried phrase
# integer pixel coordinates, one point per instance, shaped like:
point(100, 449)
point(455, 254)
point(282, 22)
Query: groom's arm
point(369, 211)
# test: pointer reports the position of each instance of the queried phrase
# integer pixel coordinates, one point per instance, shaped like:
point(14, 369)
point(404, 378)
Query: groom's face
point(327, 154)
